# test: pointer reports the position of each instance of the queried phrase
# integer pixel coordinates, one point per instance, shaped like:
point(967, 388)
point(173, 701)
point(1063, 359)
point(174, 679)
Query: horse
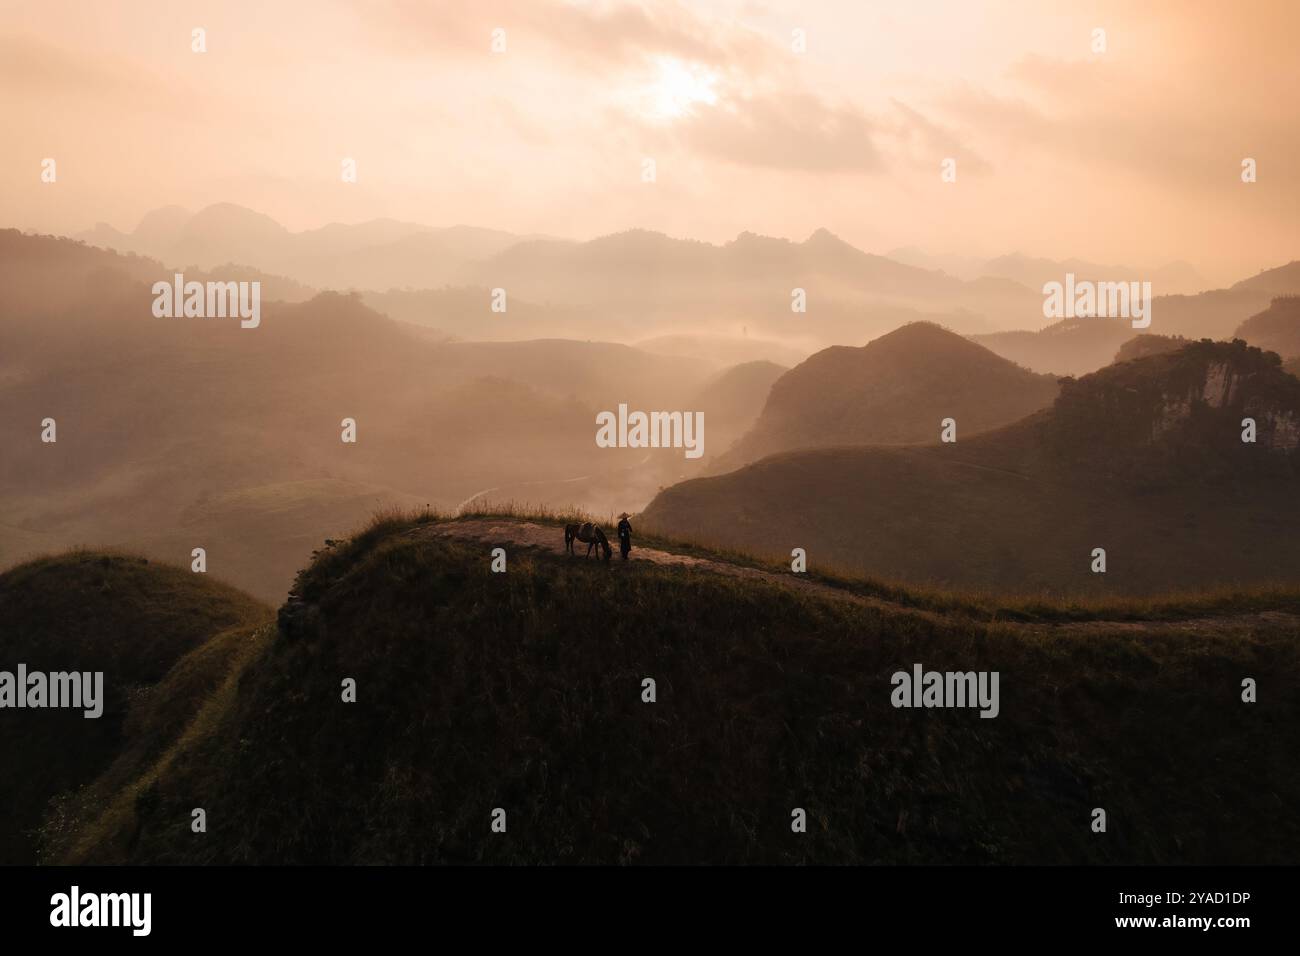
point(589, 534)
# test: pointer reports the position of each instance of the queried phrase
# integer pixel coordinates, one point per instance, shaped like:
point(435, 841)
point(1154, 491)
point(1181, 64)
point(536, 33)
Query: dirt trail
point(548, 538)
point(521, 533)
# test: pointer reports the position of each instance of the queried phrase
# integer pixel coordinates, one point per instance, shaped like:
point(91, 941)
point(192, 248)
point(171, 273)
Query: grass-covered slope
point(132, 619)
point(523, 691)
point(1144, 458)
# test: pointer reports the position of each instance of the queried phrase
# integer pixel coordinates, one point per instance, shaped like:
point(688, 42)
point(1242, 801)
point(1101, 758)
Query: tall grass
point(1227, 600)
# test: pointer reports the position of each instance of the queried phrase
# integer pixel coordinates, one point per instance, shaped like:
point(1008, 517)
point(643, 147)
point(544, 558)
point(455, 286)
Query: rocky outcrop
point(1179, 412)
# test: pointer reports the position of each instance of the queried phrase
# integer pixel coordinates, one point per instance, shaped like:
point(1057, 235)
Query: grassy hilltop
point(162, 636)
point(522, 690)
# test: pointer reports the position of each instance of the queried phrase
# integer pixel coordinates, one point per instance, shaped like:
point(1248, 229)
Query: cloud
point(764, 116)
point(1151, 125)
point(40, 69)
point(794, 131)
point(928, 141)
point(579, 34)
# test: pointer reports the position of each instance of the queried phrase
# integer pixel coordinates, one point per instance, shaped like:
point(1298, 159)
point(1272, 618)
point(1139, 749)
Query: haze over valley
point(209, 431)
point(687, 432)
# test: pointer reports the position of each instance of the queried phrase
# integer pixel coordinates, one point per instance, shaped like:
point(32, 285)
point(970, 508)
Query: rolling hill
point(47, 277)
point(894, 390)
point(179, 433)
point(162, 636)
point(475, 692)
point(1067, 347)
point(1143, 459)
point(1279, 281)
point(1276, 329)
point(733, 400)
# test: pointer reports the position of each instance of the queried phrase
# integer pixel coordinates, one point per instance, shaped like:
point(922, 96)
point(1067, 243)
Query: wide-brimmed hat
point(624, 515)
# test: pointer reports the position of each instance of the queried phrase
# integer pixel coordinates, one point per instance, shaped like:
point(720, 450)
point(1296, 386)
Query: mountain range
point(1174, 278)
point(1144, 459)
point(174, 434)
point(460, 404)
point(378, 254)
point(638, 284)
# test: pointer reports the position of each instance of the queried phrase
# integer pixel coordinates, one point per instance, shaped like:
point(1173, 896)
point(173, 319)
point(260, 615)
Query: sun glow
point(679, 88)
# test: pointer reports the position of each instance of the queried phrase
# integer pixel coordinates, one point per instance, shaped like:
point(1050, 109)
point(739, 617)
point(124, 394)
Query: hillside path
point(550, 539)
point(521, 533)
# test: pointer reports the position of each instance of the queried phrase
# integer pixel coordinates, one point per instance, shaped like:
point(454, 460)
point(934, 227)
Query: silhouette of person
point(624, 535)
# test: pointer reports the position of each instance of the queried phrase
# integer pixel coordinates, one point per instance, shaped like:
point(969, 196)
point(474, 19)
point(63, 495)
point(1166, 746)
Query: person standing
point(624, 535)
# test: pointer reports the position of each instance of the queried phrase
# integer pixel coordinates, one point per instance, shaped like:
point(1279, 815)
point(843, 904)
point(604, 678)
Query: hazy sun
point(678, 88)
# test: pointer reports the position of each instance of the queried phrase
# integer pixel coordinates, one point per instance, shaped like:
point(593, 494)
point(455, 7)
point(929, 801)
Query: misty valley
point(375, 542)
point(235, 446)
point(861, 439)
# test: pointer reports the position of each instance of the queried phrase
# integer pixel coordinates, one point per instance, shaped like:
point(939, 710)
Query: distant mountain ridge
point(1031, 271)
point(1082, 345)
point(1283, 280)
point(1175, 278)
point(377, 254)
point(639, 283)
point(1275, 329)
point(665, 269)
point(193, 429)
point(1144, 459)
point(633, 272)
point(896, 389)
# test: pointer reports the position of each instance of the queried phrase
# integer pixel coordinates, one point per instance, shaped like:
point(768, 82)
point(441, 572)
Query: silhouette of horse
point(588, 533)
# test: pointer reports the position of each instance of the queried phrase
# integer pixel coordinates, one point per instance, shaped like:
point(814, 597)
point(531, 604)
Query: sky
point(1128, 155)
